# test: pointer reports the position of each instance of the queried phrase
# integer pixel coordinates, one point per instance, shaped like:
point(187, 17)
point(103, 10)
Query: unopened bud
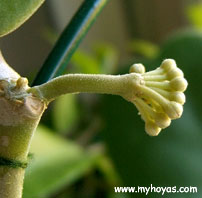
point(168, 64)
point(173, 109)
point(162, 120)
point(137, 68)
point(178, 84)
point(178, 97)
point(176, 72)
point(152, 129)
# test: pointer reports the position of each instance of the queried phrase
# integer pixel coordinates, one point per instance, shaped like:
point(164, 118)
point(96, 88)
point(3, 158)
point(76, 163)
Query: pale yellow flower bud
point(178, 84)
point(168, 64)
point(152, 129)
point(162, 120)
point(137, 68)
point(173, 109)
point(177, 97)
point(173, 73)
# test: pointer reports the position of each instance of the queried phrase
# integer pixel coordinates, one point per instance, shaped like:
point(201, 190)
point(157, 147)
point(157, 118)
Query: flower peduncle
point(157, 94)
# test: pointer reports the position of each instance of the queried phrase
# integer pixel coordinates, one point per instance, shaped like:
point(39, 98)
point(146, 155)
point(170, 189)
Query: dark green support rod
point(69, 40)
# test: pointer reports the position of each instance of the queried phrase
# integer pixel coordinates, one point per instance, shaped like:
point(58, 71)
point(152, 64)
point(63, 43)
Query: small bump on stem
point(137, 68)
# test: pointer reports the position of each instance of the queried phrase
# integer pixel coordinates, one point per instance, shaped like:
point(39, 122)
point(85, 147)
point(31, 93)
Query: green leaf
point(103, 60)
point(107, 57)
point(14, 13)
point(85, 63)
point(65, 113)
point(106, 166)
point(144, 48)
point(57, 163)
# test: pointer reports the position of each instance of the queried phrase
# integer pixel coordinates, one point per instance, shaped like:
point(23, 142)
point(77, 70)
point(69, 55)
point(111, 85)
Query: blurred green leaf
point(106, 166)
point(107, 56)
point(85, 63)
point(145, 48)
point(57, 163)
point(65, 113)
point(14, 13)
point(194, 14)
point(103, 60)
point(173, 158)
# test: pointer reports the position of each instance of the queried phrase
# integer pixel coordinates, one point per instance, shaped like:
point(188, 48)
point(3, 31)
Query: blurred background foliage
point(87, 144)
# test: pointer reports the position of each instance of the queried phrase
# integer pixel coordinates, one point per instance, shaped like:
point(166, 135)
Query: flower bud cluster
point(160, 98)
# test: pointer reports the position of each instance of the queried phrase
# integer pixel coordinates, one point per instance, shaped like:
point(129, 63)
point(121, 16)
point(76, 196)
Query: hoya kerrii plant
point(157, 94)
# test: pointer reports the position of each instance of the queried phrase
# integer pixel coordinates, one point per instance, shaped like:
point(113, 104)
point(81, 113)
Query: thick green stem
point(14, 146)
point(89, 83)
point(11, 182)
point(19, 117)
